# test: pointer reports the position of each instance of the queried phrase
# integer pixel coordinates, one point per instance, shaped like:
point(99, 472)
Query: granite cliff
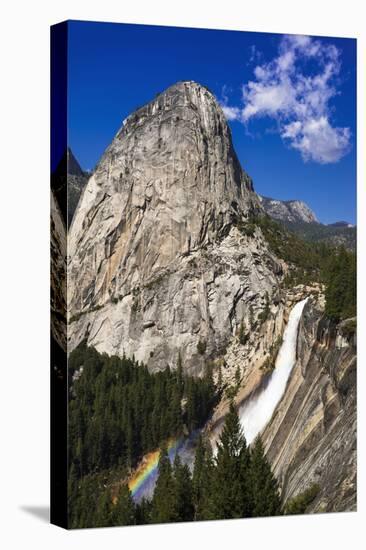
point(58, 274)
point(288, 211)
point(311, 439)
point(157, 265)
point(68, 182)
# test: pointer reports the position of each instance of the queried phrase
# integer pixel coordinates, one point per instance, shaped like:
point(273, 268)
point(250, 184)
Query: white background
point(24, 273)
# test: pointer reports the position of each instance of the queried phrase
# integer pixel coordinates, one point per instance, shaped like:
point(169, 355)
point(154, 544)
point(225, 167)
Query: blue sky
point(290, 101)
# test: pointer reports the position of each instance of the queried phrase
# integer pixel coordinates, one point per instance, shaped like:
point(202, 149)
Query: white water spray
point(257, 412)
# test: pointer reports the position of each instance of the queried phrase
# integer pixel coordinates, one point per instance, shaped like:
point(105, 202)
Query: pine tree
point(201, 480)
point(183, 491)
point(251, 317)
point(180, 378)
point(264, 487)
point(219, 379)
point(209, 382)
point(339, 273)
point(103, 517)
point(163, 503)
point(231, 497)
point(175, 413)
point(143, 512)
point(118, 411)
point(191, 405)
point(350, 301)
point(124, 512)
point(237, 376)
point(242, 334)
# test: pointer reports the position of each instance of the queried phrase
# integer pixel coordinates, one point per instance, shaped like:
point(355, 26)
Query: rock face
point(288, 211)
point(58, 274)
point(76, 182)
point(311, 438)
point(254, 355)
point(301, 220)
point(68, 182)
point(157, 265)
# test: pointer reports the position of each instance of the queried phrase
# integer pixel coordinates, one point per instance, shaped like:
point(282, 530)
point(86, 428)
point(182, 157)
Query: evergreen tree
point(164, 500)
point(339, 273)
point(103, 515)
point(209, 382)
point(243, 337)
point(183, 491)
point(237, 376)
point(72, 489)
point(180, 378)
point(201, 480)
point(264, 487)
point(143, 512)
point(251, 317)
point(219, 379)
point(231, 496)
point(118, 411)
point(124, 512)
point(299, 503)
point(175, 412)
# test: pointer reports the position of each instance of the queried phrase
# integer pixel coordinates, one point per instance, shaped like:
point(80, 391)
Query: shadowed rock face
point(311, 438)
point(58, 274)
point(156, 263)
point(76, 182)
point(68, 182)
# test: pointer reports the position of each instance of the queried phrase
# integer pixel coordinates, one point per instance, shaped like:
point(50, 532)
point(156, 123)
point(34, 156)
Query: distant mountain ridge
point(288, 211)
point(298, 217)
point(340, 224)
point(73, 166)
point(76, 182)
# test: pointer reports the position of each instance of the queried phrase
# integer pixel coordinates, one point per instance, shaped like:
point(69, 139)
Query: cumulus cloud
point(231, 113)
point(295, 89)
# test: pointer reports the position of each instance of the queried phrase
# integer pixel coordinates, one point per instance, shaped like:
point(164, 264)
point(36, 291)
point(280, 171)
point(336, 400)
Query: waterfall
point(254, 414)
point(257, 412)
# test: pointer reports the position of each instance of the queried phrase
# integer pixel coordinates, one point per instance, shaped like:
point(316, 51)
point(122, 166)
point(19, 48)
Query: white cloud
point(266, 98)
point(292, 129)
point(231, 113)
point(295, 89)
point(317, 140)
point(254, 54)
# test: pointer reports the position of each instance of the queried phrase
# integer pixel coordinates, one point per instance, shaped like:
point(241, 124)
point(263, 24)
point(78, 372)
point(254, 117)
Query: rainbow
point(143, 480)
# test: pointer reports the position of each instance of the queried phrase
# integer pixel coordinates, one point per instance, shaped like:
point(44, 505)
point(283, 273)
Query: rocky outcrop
point(288, 211)
point(68, 182)
point(253, 356)
point(76, 182)
point(58, 274)
point(311, 438)
point(156, 262)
